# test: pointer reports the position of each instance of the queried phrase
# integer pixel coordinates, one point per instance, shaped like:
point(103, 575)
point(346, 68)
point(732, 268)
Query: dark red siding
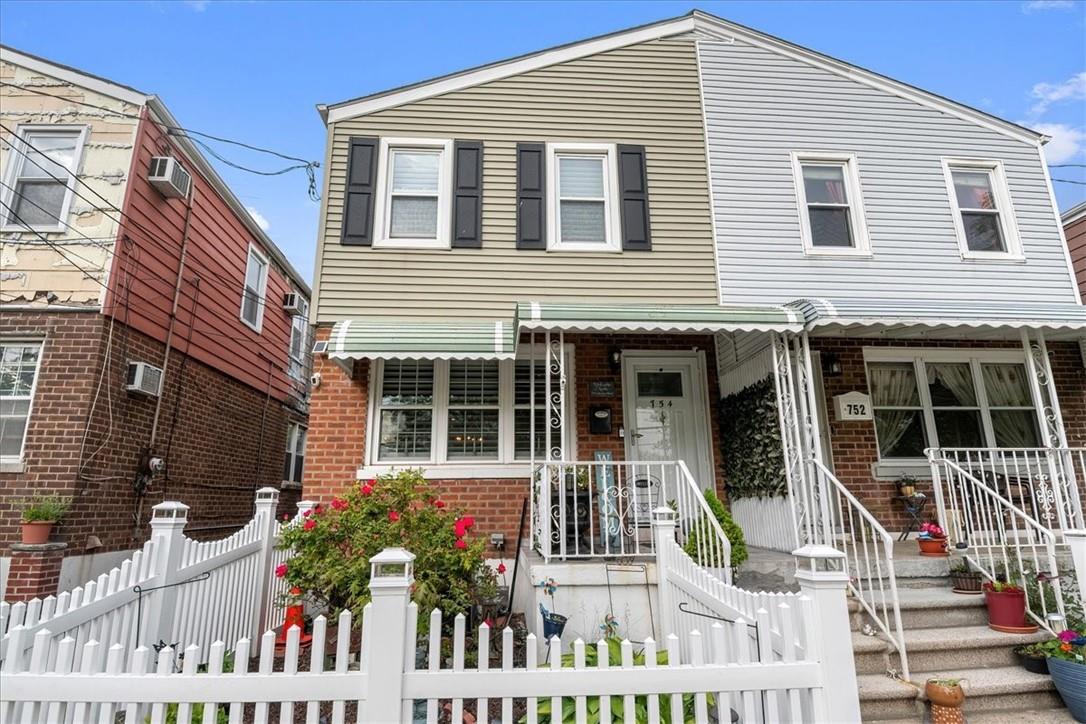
point(1076, 243)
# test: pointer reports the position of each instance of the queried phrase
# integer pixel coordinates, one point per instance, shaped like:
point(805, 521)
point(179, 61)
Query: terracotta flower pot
point(1006, 609)
point(940, 694)
point(37, 532)
point(933, 547)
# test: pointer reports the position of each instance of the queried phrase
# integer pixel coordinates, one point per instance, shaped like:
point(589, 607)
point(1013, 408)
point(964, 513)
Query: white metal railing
point(869, 558)
point(604, 509)
point(1042, 482)
point(980, 508)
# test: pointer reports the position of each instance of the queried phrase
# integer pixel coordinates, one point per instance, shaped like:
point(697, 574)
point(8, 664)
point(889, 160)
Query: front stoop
point(947, 637)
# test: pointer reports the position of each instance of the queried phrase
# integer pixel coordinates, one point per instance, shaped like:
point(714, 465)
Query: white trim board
point(694, 21)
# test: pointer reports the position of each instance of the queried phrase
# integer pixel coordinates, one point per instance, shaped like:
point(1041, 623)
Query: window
point(414, 181)
point(462, 411)
point(582, 208)
point(295, 458)
point(19, 362)
point(830, 204)
point(982, 209)
point(39, 185)
point(299, 347)
point(256, 282)
point(949, 399)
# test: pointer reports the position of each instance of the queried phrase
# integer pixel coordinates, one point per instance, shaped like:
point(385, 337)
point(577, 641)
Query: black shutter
point(467, 221)
point(634, 198)
point(358, 197)
point(531, 196)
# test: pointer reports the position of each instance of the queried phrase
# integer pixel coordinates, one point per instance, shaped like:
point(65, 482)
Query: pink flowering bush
point(332, 547)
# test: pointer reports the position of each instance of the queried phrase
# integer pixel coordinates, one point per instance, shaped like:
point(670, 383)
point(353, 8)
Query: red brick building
point(154, 338)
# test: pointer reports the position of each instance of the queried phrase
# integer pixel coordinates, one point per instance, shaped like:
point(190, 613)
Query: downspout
point(173, 312)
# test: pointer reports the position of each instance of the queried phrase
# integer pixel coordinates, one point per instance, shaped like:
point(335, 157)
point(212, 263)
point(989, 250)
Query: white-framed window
point(294, 462)
point(40, 179)
point(983, 214)
point(299, 336)
point(951, 399)
point(831, 207)
point(20, 361)
point(461, 412)
point(414, 193)
point(256, 284)
point(582, 204)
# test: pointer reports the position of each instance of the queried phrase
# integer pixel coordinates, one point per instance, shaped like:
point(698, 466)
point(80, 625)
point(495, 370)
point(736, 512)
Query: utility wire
point(1067, 165)
point(1069, 181)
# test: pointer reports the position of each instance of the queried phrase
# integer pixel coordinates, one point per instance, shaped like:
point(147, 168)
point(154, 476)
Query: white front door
point(665, 411)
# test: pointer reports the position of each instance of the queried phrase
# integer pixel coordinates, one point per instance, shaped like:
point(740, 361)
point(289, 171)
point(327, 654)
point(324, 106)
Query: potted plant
point(963, 578)
point(932, 541)
point(39, 516)
point(1006, 603)
point(906, 486)
point(1067, 665)
point(553, 623)
point(1033, 658)
point(946, 697)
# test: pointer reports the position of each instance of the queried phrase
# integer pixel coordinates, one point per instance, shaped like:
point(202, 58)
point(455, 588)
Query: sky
point(254, 71)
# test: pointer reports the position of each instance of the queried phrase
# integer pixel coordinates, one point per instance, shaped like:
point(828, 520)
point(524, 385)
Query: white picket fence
point(175, 591)
point(708, 671)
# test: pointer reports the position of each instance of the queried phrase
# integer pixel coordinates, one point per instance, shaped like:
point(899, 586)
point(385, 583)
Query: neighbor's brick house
point(93, 279)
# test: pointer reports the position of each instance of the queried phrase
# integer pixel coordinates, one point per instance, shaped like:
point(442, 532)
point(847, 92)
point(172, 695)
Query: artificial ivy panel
point(751, 443)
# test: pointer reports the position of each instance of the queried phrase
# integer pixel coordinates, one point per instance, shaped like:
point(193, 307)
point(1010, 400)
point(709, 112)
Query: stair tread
point(879, 687)
point(965, 637)
point(931, 597)
point(868, 644)
point(996, 680)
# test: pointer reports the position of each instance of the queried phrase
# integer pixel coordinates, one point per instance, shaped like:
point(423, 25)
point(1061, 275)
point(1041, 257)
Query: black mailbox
point(599, 419)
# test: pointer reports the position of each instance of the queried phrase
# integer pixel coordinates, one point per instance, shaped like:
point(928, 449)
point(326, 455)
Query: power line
point(1069, 181)
point(1067, 165)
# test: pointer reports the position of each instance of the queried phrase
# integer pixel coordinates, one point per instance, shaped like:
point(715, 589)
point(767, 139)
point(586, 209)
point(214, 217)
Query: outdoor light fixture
point(831, 364)
point(614, 357)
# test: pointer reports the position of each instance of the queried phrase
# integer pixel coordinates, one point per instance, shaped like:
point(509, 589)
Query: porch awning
point(398, 339)
point(656, 318)
point(934, 319)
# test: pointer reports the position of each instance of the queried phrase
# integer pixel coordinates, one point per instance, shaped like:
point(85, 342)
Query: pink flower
point(501, 568)
point(439, 503)
point(393, 516)
point(309, 524)
point(286, 516)
point(281, 570)
point(1067, 635)
point(367, 489)
point(339, 504)
point(306, 513)
point(461, 544)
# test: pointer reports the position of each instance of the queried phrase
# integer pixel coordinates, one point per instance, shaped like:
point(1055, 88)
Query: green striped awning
point(657, 317)
point(397, 339)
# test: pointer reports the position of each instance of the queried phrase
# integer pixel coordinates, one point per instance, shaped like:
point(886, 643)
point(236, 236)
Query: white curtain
point(958, 378)
point(893, 385)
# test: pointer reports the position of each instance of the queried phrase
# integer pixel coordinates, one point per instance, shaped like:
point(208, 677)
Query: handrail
point(707, 513)
point(856, 582)
point(977, 482)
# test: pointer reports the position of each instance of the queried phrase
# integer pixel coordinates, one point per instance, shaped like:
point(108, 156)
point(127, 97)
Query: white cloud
point(201, 5)
point(1066, 144)
point(1074, 88)
point(1035, 6)
point(258, 218)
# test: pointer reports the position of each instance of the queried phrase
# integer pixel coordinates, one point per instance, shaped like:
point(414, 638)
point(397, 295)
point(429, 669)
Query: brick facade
point(337, 432)
point(853, 444)
point(222, 439)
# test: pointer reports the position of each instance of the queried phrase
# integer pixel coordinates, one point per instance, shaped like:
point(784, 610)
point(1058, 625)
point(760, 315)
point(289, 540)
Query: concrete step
point(973, 647)
point(886, 699)
point(933, 607)
point(872, 653)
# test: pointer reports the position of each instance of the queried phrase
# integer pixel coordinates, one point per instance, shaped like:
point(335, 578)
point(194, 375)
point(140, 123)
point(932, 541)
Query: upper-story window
point(983, 217)
point(19, 362)
point(43, 163)
point(299, 336)
point(256, 282)
point(414, 182)
point(582, 207)
point(830, 204)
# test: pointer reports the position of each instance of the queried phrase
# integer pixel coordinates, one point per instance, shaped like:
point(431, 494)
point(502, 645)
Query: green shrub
point(46, 509)
point(332, 547)
point(731, 529)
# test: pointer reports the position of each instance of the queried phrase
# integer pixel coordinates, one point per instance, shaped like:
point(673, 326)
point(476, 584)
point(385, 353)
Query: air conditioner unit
point(143, 379)
point(167, 175)
point(295, 303)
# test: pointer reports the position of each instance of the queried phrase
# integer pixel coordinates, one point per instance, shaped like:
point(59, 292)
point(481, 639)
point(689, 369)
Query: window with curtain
point(406, 412)
point(899, 414)
point(974, 191)
point(582, 198)
point(414, 193)
point(473, 410)
point(954, 404)
point(18, 377)
point(826, 191)
point(1010, 403)
point(42, 178)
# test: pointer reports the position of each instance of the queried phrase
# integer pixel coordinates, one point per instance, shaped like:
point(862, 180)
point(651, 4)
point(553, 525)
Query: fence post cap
point(304, 505)
point(664, 515)
point(820, 563)
point(169, 510)
point(392, 567)
point(267, 494)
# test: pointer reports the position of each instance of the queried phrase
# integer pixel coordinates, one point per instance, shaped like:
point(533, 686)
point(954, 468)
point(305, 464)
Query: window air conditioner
point(143, 379)
point(167, 175)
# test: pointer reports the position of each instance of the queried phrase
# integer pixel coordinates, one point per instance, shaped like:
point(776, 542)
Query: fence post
point(663, 530)
point(391, 578)
point(267, 500)
point(168, 520)
point(1076, 539)
point(822, 578)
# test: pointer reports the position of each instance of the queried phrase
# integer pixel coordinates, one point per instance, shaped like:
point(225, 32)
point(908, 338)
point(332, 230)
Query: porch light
point(831, 364)
point(614, 358)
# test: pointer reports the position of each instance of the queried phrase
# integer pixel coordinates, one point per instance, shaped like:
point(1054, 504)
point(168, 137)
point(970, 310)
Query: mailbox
point(599, 419)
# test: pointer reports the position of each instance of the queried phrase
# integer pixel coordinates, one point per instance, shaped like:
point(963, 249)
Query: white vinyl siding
point(19, 365)
point(760, 106)
point(40, 181)
point(252, 295)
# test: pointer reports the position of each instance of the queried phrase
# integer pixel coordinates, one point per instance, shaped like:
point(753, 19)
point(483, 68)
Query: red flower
point(339, 504)
point(281, 570)
point(393, 516)
point(461, 544)
point(367, 489)
point(439, 503)
point(459, 528)
point(501, 568)
point(469, 522)
point(309, 524)
point(286, 516)
point(306, 513)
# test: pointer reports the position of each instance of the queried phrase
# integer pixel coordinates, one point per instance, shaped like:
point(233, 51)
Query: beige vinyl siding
point(643, 94)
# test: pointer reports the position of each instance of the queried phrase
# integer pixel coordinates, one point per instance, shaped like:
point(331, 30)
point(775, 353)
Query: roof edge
point(1074, 214)
point(75, 76)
